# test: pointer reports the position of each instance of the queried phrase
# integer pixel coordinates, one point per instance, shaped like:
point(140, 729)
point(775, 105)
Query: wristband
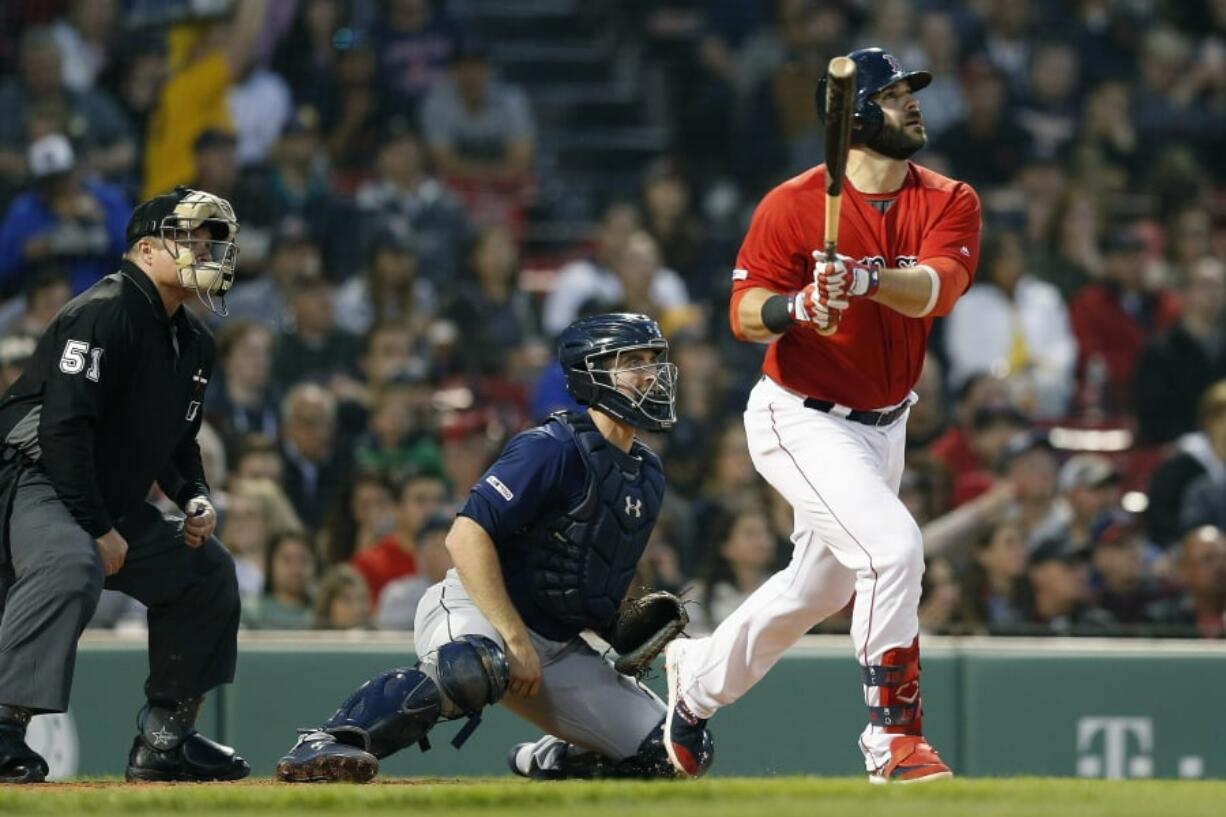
point(777, 313)
point(874, 280)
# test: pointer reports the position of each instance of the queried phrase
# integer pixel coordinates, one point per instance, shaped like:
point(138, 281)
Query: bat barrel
point(840, 99)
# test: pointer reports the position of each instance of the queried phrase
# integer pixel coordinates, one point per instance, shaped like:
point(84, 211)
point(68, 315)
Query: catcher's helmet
point(876, 70)
point(589, 351)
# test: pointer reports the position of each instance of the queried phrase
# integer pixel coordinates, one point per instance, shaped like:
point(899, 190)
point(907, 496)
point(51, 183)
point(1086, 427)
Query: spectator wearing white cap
point(62, 223)
point(1089, 488)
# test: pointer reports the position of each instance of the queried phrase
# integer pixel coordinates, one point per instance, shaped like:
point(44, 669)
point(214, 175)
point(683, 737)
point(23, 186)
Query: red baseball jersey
point(875, 357)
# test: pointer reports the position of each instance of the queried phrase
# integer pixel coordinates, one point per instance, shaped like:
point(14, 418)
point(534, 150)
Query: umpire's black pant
point(51, 587)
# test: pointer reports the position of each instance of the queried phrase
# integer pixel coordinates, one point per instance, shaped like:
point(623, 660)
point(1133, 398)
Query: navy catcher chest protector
point(583, 559)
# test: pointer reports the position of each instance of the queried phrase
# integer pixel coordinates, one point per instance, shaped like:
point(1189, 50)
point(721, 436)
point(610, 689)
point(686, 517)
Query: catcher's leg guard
point(897, 680)
point(473, 672)
point(401, 706)
point(387, 713)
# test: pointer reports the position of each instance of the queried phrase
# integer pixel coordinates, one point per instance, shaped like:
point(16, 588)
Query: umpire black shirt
point(110, 401)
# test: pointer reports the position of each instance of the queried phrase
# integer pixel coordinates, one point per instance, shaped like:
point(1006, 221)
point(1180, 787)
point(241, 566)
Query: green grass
point(721, 797)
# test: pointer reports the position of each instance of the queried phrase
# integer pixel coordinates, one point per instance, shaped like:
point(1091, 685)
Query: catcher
point(546, 547)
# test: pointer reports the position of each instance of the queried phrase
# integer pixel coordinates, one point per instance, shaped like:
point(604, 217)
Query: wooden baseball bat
point(840, 97)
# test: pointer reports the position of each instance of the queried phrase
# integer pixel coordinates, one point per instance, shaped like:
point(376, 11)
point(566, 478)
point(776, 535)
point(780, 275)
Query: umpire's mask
point(206, 265)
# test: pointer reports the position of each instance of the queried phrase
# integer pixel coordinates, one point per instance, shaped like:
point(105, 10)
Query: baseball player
point(109, 404)
point(545, 547)
point(826, 423)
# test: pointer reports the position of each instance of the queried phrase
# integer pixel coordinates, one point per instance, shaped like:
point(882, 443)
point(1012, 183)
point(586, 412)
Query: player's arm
point(476, 560)
point(772, 285)
point(925, 289)
point(510, 496)
point(913, 291)
point(948, 256)
point(748, 315)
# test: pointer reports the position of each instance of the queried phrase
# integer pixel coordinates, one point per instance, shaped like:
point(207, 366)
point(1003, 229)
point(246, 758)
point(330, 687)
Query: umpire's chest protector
point(584, 558)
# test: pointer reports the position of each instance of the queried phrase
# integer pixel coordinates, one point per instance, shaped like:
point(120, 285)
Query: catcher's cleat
point(524, 761)
point(521, 767)
point(912, 760)
point(318, 757)
point(686, 740)
point(18, 762)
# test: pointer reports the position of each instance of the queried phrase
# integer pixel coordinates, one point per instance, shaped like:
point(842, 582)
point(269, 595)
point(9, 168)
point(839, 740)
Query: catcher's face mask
point(644, 379)
point(206, 261)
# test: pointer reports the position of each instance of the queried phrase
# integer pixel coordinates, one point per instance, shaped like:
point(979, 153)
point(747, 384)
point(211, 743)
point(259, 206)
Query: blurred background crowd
point(430, 191)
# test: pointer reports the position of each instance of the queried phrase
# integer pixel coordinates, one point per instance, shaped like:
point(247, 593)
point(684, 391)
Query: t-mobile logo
point(1119, 737)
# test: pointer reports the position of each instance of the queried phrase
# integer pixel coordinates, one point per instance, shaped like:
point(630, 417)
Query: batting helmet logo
point(876, 70)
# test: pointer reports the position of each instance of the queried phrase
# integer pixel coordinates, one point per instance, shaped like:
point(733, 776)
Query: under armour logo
point(634, 506)
point(163, 737)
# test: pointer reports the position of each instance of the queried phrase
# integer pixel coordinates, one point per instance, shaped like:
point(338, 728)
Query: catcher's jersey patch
point(499, 486)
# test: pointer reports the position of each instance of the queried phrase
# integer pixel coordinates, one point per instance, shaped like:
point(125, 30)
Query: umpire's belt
point(868, 418)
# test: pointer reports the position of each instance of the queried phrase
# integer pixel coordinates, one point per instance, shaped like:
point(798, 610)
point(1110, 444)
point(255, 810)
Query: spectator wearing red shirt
point(970, 448)
point(392, 557)
point(1112, 319)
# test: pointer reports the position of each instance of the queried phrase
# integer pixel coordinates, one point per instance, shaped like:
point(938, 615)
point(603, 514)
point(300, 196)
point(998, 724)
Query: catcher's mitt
point(644, 628)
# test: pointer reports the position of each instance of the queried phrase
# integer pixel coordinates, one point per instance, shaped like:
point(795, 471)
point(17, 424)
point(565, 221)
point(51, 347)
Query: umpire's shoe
point(18, 762)
point(167, 750)
point(319, 757)
point(689, 745)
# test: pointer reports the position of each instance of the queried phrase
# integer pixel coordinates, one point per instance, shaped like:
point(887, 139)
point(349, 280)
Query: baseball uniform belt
point(868, 418)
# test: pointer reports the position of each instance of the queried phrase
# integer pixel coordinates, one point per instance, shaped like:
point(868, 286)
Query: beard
point(896, 143)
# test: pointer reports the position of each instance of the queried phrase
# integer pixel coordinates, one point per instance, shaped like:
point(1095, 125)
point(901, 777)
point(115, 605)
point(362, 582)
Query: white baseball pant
point(852, 534)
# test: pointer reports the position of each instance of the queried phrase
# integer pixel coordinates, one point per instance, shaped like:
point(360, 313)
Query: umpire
point(109, 404)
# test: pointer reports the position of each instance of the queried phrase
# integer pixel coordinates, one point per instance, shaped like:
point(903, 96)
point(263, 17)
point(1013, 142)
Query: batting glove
point(807, 307)
point(844, 278)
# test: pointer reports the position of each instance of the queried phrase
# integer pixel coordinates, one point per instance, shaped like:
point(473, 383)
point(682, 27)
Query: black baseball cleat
point(167, 749)
point(195, 759)
point(18, 762)
point(689, 745)
point(319, 757)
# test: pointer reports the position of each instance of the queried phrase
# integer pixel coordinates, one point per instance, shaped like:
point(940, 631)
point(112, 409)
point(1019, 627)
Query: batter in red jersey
point(827, 422)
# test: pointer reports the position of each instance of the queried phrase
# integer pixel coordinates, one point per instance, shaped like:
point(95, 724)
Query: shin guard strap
point(886, 716)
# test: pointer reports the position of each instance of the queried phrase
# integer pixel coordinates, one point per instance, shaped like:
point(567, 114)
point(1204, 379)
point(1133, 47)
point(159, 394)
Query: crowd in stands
point(393, 321)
